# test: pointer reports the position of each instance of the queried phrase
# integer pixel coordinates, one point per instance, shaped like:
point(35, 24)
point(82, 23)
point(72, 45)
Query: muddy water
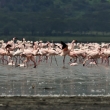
point(50, 79)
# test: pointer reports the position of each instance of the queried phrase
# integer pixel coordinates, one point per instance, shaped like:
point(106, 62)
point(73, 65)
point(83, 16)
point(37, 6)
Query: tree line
point(54, 17)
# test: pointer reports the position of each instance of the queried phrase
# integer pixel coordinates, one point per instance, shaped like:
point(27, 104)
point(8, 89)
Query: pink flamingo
point(65, 50)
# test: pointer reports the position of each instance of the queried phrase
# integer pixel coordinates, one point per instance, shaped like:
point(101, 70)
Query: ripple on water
point(54, 80)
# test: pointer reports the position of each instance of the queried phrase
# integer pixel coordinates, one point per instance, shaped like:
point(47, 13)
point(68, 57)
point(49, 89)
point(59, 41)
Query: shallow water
point(51, 79)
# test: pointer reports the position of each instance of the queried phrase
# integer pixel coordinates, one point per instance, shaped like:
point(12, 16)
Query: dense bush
point(54, 17)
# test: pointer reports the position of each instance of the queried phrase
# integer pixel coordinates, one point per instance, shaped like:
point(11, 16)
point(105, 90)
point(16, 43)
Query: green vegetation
point(33, 18)
point(79, 39)
point(63, 38)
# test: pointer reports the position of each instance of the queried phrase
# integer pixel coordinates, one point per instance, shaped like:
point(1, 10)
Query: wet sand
point(55, 103)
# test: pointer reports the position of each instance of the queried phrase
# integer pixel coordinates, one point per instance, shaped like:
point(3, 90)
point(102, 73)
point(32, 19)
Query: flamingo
point(66, 50)
point(52, 52)
point(93, 55)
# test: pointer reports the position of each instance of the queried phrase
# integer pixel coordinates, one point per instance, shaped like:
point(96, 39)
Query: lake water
point(51, 79)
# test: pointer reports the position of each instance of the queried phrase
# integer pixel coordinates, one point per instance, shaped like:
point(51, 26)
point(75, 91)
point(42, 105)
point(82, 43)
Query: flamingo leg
point(64, 60)
point(51, 60)
point(33, 60)
point(56, 60)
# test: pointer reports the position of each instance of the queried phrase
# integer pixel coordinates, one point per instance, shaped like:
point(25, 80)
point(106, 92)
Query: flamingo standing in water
point(29, 50)
point(52, 52)
point(28, 54)
point(66, 50)
point(3, 53)
point(10, 47)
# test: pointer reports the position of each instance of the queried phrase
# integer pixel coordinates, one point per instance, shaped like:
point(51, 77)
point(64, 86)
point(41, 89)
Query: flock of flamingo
point(16, 51)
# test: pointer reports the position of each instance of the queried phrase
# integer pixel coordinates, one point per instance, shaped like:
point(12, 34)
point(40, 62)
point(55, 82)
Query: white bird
point(11, 63)
point(73, 64)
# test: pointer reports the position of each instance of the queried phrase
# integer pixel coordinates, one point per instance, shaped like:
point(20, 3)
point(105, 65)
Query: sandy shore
point(55, 103)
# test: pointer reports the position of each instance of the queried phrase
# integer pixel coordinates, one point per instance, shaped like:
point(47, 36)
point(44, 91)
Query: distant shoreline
point(54, 39)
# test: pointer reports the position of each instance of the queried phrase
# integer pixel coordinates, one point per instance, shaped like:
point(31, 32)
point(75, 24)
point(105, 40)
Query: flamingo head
point(63, 45)
point(74, 41)
point(8, 46)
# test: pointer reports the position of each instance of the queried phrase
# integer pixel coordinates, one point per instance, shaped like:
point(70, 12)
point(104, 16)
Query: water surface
point(51, 79)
